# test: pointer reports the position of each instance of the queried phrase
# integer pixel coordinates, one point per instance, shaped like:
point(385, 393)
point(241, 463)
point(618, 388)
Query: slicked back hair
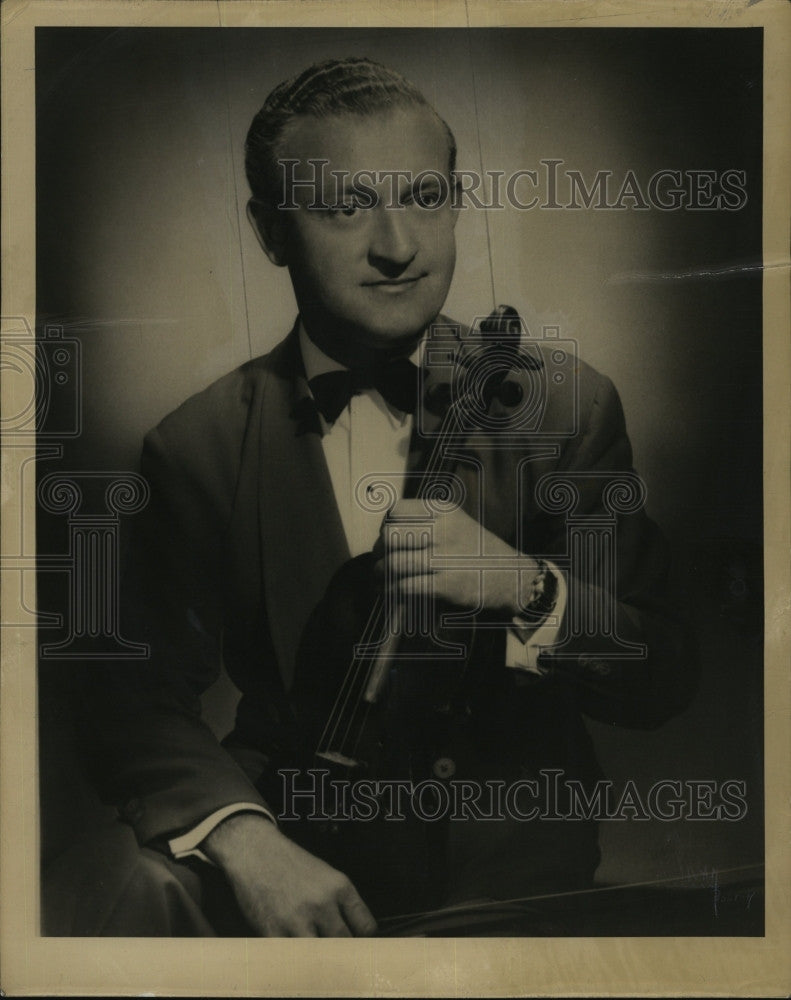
point(353, 86)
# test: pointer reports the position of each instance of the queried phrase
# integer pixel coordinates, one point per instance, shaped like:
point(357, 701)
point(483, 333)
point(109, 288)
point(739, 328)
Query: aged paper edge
point(34, 965)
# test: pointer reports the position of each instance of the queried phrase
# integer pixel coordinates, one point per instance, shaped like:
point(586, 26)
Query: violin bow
point(394, 926)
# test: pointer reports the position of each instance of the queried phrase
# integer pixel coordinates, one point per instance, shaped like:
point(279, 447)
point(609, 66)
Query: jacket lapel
point(302, 538)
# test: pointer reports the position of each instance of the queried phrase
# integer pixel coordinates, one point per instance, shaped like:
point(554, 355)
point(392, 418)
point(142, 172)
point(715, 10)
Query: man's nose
point(393, 244)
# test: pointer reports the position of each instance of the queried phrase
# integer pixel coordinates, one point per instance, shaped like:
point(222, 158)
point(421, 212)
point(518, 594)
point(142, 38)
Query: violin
point(341, 743)
point(390, 713)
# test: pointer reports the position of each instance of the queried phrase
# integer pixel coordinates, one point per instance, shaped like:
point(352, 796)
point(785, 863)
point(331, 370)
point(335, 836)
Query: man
point(257, 549)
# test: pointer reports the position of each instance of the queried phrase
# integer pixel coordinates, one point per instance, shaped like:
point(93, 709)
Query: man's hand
point(406, 561)
point(282, 890)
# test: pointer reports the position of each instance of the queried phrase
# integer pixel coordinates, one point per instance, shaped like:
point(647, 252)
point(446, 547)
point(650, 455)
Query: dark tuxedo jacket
point(242, 538)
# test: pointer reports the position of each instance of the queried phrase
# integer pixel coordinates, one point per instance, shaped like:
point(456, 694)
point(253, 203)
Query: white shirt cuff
point(524, 642)
point(186, 845)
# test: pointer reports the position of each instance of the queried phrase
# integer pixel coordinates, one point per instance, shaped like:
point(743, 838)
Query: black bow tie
point(397, 382)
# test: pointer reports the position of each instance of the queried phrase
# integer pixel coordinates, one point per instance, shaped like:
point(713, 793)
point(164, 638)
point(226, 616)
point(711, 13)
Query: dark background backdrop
point(145, 256)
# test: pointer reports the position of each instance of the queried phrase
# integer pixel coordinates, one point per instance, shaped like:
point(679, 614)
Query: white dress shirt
point(370, 436)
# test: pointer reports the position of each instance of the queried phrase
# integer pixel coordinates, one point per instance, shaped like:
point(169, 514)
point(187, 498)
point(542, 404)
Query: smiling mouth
point(394, 283)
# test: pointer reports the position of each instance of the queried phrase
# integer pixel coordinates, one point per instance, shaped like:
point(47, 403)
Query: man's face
point(370, 277)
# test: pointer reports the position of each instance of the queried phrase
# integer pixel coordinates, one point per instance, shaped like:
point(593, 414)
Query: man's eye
point(429, 197)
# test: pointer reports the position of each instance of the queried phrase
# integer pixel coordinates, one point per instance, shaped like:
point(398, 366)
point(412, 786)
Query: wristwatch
point(544, 591)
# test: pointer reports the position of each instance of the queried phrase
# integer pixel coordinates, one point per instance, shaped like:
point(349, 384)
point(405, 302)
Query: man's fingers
point(304, 928)
point(360, 920)
point(403, 510)
point(402, 539)
point(333, 925)
point(358, 916)
point(405, 554)
point(416, 584)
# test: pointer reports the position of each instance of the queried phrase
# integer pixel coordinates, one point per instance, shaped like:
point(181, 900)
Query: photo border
point(406, 967)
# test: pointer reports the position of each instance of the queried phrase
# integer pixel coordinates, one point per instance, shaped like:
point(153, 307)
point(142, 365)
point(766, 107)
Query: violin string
point(361, 728)
point(493, 904)
point(336, 713)
point(450, 424)
point(359, 663)
point(356, 691)
point(359, 699)
point(480, 149)
point(340, 716)
point(435, 459)
point(336, 718)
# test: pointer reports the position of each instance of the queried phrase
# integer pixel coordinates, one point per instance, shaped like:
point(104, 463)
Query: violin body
point(360, 820)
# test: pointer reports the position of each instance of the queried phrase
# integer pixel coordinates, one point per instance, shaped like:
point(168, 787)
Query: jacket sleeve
point(148, 749)
point(616, 595)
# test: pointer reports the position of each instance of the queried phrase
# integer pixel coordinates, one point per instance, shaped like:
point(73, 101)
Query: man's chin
point(352, 339)
point(398, 337)
point(397, 341)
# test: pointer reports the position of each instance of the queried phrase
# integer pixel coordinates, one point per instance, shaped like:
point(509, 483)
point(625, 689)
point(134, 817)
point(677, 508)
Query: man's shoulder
point(559, 393)
point(571, 384)
point(219, 405)
point(202, 442)
point(222, 409)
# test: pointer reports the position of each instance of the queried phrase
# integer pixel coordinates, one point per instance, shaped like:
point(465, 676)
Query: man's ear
point(269, 227)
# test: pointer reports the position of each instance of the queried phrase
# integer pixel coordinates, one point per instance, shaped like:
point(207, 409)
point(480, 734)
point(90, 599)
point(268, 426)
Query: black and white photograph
point(395, 550)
